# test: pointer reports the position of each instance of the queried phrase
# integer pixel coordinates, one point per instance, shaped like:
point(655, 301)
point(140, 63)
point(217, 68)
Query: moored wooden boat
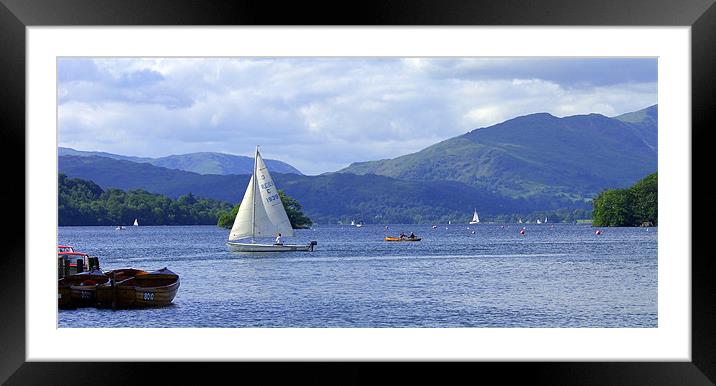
point(64, 297)
point(149, 289)
point(106, 294)
point(83, 287)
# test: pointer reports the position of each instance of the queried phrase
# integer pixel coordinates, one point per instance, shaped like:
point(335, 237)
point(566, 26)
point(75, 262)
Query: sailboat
point(136, 222)
point(475, 219)
point(262, 214)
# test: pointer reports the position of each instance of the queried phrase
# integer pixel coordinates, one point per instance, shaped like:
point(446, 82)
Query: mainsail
point(261, 213)
point(475, 219)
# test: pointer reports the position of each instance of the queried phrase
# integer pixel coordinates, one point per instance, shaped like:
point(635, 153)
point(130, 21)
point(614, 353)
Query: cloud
point(320, 114)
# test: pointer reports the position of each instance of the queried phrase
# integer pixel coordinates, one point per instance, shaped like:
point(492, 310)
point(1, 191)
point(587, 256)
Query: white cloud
point(320, 114)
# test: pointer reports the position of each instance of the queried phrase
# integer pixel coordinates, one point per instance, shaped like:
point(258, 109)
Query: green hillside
point(201, 163)
point(537, 155)
point(82, 202)
point(325, 198)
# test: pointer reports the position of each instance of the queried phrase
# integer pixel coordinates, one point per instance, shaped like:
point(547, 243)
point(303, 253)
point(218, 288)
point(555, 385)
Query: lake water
point(553, 276)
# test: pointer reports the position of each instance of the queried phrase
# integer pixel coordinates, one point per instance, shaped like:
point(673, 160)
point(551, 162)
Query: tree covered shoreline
point(633, 206)
point(83, 202)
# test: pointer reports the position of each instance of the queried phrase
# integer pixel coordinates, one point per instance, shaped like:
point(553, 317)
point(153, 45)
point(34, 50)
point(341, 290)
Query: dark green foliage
point(634, 206)
point(293, 210)
point(85, 203)
point(226, 219)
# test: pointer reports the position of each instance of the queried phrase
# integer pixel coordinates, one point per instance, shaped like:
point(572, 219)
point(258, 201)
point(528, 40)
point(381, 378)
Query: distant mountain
point(202, 163)
point(325, 198)
point(79, 153)
point(646, 121)
point(537, 155)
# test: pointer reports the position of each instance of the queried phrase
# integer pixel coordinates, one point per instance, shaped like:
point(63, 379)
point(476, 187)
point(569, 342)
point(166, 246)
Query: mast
point(253, 196)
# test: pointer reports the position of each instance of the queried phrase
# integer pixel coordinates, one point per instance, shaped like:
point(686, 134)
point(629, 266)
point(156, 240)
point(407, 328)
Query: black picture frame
point(16, 15)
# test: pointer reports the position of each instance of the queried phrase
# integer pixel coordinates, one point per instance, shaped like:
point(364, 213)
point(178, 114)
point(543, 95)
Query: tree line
point(83, 202)
point(633, 206)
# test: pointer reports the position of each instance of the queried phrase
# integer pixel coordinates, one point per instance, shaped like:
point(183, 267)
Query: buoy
point(522, 231)
point(598, 232)
point(473, 232)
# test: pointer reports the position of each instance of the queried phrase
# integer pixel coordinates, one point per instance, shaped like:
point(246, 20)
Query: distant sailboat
point(475, 219)
point(261, 214)
point(353, 223)
point(539, 221)
point(136, 222)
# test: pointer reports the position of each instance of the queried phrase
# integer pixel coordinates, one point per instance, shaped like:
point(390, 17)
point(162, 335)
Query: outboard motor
point(313, 242)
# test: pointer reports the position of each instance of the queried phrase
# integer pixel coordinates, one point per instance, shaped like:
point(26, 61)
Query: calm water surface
point(553, 276)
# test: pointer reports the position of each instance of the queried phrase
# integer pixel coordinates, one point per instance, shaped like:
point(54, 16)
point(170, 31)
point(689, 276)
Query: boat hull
point(82, 288)
point(83, 295)
point(249, 247)
point(64, 295)
point(144, 290)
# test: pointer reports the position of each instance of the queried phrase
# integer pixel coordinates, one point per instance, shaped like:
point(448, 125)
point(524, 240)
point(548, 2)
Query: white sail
point(136, 223)
point(271, 200)
point(262, 214)
point(475, 219)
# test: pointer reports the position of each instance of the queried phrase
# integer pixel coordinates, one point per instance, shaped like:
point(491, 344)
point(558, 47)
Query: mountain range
point(202, 163)
point(328, 197)
point(532, 163)
point(540, 155)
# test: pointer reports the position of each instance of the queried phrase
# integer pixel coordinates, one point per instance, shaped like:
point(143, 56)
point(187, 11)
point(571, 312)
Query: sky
point(321, 114)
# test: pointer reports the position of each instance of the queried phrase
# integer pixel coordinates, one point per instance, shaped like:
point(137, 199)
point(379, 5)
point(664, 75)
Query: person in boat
point(402, 235)
point(279, 239)
point(412, 235)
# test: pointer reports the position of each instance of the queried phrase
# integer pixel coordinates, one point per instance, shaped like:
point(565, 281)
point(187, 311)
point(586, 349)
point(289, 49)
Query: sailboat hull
point(249, 247)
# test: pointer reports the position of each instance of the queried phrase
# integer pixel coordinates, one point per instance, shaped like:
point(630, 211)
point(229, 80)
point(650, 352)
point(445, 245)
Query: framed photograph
point(74, 71)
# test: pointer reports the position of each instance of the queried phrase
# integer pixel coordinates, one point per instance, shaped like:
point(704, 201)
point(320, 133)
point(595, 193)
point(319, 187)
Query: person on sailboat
point(279, 239)
point(412, 235)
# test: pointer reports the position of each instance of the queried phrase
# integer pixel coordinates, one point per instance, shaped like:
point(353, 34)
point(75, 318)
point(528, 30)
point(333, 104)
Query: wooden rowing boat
point(106, 292)
point(145, 289)
point(83, 287)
